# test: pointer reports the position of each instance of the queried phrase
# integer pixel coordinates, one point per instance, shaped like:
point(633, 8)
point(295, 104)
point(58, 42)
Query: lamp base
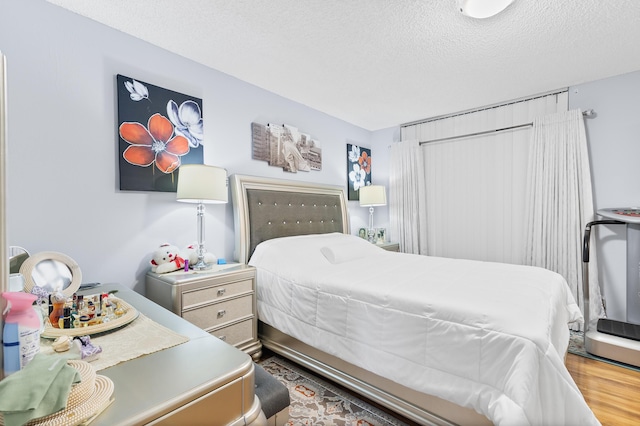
point(371, 231)
point(202, 266)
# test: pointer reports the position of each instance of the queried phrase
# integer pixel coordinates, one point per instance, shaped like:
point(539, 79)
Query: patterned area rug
point(319, 403)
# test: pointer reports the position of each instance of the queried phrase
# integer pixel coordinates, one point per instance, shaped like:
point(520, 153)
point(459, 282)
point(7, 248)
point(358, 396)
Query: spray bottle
point(21, 334)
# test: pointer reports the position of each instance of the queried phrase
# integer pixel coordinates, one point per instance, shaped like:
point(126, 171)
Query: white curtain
point(560, 203)
point(407, 197)
point(475, 185)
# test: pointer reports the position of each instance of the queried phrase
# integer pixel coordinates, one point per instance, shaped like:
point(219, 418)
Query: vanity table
point(202, 381)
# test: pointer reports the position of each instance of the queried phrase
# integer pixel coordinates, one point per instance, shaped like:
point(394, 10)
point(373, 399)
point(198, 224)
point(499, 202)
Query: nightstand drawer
point(212, 294)
point(221, 300)
point(220, 313)
point(236, 333)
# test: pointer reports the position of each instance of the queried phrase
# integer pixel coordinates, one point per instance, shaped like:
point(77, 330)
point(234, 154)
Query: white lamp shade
point(373, 195)
point(482, 8)
point(198, 183)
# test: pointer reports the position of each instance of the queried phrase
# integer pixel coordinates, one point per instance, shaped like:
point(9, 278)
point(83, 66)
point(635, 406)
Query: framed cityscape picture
point(282, 145)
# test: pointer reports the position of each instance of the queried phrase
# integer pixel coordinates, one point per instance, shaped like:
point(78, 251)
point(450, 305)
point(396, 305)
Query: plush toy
point(191, 253)
point(166, 258)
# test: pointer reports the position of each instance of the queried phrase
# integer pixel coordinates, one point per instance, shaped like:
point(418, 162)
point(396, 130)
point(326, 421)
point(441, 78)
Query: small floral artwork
point(158, 130)
point(358, 169)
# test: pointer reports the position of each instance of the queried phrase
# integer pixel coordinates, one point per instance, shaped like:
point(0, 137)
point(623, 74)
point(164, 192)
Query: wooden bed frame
point(267, 208)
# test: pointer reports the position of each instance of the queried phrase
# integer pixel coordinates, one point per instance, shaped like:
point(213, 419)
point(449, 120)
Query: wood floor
point(612, 392)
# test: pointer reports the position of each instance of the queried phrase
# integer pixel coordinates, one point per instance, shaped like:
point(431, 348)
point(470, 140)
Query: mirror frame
point(28, 266)
point(4, 258)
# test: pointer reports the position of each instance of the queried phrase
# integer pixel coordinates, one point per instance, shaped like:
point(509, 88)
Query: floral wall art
point(158, 130)
point(358, 169)
point(284, 146)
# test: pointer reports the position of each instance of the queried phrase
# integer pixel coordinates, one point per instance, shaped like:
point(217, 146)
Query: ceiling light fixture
point(481, 9)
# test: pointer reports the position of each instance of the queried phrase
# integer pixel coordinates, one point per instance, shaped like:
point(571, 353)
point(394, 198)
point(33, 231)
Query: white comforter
point(483, 335)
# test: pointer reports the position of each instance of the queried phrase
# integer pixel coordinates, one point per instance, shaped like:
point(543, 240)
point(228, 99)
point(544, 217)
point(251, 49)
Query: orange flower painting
point(365, 162)
point(358, 169)
point(159, 130)
point(154, 144)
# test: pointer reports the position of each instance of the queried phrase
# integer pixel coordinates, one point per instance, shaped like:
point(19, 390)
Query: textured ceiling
point(381, 63)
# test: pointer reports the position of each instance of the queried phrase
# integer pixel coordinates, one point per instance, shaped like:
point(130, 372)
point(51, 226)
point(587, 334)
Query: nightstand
point(221, 301)
point(390, 246)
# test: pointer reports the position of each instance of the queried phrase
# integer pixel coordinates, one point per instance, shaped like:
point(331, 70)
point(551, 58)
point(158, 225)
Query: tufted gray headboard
point(266, 208)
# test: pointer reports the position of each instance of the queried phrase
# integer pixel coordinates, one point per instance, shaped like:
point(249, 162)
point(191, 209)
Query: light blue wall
point(63, 155)
point(63, 162)
point(614, 149)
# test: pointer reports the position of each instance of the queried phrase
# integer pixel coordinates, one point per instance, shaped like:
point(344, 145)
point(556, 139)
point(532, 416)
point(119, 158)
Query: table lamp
point(370, 196)
point(201, 184)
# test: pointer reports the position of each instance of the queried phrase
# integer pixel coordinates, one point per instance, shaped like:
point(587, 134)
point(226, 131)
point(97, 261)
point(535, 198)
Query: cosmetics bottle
point(11, 348)
point(58, 300)
point(80, 305)
point(107, 308)
point(65, 320)
point(50, 304)
point(21, 333)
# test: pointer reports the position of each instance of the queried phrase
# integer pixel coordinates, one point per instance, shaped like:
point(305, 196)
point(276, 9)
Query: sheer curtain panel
point(407, 197)
point(475, 185)
point(560, 203)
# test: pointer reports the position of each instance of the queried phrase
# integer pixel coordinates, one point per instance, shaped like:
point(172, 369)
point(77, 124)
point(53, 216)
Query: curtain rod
point(468, 135)
point(469, 111)
point(587, 113)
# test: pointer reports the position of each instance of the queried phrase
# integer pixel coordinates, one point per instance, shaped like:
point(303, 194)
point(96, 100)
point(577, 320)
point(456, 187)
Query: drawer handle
point(223, 338)
point(221, 313)
point(221, 292)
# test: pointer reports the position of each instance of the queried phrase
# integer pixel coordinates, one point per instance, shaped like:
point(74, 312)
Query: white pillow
point(348, 251)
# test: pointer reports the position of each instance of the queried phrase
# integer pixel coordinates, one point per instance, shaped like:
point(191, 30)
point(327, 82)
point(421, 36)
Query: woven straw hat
point(87, 399)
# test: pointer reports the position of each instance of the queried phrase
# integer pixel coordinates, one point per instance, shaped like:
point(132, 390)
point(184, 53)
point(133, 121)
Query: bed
point(439, 341)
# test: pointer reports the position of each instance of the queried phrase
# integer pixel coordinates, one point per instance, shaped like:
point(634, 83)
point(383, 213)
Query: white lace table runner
point(141, 337)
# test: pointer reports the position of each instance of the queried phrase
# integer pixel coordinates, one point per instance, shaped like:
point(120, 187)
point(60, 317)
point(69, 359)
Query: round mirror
point(52, 272)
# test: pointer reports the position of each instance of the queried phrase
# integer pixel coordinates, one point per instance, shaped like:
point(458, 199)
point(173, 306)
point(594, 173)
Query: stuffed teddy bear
point(166, 258)
point(191, 253)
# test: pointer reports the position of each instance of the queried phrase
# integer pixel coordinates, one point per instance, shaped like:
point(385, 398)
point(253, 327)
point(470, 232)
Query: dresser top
point(149, 386)
point(180, 276)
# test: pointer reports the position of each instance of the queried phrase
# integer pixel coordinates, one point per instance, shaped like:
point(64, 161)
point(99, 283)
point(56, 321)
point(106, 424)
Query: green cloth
point(41, 388)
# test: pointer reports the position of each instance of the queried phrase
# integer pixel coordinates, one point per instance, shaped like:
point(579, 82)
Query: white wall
point(380, 147)
point(63, 186)
point(614, 148)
